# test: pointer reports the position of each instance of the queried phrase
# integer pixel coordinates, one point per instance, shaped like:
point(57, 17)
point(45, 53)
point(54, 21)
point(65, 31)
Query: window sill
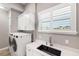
point(58, 32)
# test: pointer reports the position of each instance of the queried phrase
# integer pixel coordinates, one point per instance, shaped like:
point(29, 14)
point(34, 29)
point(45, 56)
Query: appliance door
point(10, 43)
point(14, 45)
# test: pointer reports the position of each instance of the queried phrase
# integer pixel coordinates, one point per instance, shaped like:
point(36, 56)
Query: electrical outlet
point(66, 41)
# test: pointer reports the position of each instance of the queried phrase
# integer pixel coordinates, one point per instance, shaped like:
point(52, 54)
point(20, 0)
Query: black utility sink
point(49, 50)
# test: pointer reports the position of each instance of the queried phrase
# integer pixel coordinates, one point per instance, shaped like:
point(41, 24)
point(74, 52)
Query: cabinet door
point(20, 22)
point(31, 52)
point(26, 22)
point(29, 21)
point(32, 21)
point(28, 52)
point(35, 53)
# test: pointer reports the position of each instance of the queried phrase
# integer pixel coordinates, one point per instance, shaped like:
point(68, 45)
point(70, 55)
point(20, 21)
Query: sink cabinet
point(32, 52)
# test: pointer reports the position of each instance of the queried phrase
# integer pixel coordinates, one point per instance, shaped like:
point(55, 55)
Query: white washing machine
point(18, 43)
point(10, 43)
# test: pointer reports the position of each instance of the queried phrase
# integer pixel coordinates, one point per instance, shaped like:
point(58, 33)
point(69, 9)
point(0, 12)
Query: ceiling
point(16, 6)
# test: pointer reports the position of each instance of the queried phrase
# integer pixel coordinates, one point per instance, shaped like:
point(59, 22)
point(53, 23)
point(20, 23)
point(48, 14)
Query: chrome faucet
point(50, 41)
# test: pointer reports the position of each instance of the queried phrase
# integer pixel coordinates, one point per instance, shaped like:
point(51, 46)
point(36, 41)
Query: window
point(61, 19)
point(44, 20)
point(45, 24)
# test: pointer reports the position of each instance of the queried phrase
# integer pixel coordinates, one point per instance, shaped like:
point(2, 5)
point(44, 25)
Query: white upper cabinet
point(26, 21)
point(58, 19)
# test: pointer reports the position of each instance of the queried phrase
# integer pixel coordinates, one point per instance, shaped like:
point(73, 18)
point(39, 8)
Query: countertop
point(65, 50)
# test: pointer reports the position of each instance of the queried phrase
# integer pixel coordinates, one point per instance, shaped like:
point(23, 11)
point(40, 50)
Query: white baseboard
point(5, 48)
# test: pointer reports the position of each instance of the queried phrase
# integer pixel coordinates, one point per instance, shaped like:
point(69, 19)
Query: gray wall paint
point(14, 20)
point(16, 6)
point(4, 25)
point(30, 8)
point(77, 15)
point(60, 39)
point(43, 6)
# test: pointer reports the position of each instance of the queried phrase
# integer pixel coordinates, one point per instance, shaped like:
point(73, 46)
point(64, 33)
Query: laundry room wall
point(4, 21)
point(14, 20)
point(58, 38)
point(30, 8)
point(4, 29)
point(43, 6)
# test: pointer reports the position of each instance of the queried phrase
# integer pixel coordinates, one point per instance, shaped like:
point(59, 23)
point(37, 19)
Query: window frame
point(73, 30)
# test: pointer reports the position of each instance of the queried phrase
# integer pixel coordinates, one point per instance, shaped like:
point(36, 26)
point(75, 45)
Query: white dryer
point(18, 43)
